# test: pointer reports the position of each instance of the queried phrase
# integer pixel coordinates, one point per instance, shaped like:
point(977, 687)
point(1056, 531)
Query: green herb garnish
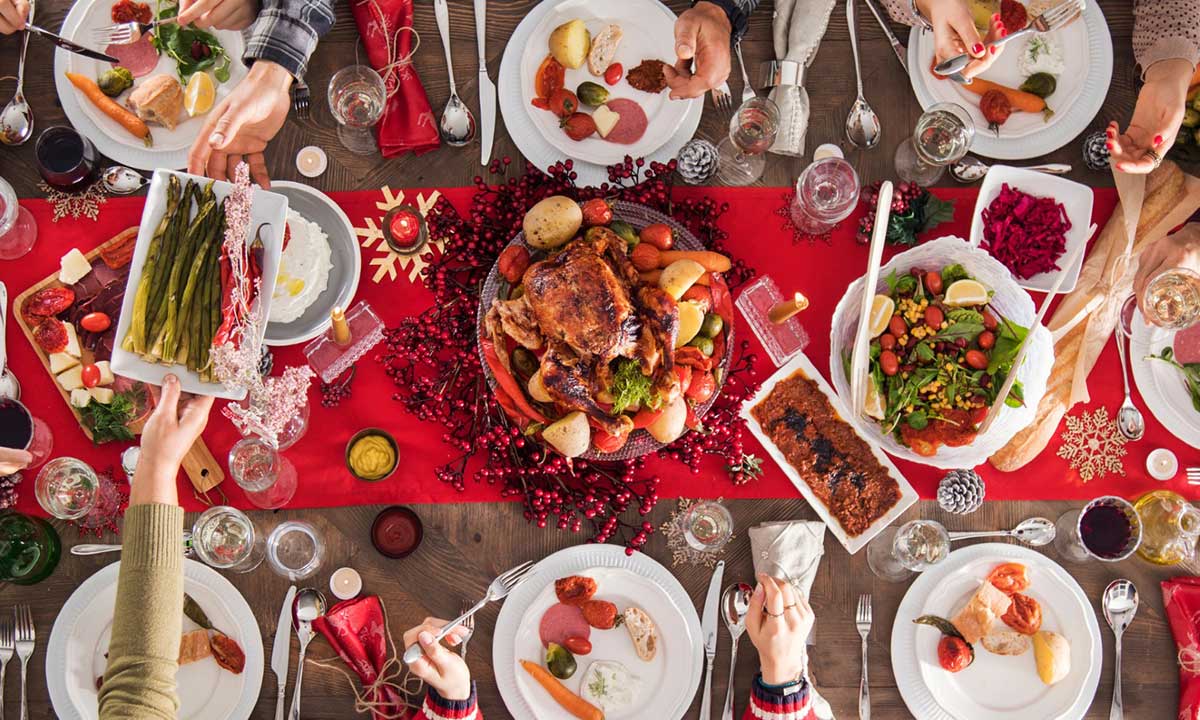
point(195, 613)
point(109, 422)
point(176, 43)
point(1191, 373)
point(631, 388)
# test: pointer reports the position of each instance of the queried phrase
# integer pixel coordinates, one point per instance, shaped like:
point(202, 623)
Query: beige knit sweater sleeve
point(143, 654)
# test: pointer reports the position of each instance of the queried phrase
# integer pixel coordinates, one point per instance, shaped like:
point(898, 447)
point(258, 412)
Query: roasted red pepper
point(508, 391)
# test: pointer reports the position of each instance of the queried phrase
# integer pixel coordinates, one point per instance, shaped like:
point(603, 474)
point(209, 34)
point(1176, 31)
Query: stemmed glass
point(67, 488)
point(895, 555)
point(1172, 299)
point(1106, 529)
point(268, 478)
point(356, 99)
point(18, 229)
point(20, 430)
point(752, 131)
point(226, 538)
point(943, 135)
point(826, 193)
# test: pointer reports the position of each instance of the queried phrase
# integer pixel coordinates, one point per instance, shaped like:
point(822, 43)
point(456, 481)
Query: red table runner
point(758, 235)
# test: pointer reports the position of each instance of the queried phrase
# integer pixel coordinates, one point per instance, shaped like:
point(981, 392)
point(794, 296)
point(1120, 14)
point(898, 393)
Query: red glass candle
point(404, 230)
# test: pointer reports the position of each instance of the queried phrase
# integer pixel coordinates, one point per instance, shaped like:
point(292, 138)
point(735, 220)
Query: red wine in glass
point(16, 425)
point(1106, 530)
point(65, 158)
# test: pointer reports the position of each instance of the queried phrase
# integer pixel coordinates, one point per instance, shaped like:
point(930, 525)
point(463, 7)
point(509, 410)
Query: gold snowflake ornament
point(1092, 445)
point(77, 204)
point(386, 262)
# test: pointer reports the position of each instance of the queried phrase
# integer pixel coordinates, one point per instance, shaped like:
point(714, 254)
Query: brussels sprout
point(524, 361)
point(712, 325)
point(704, 344)
point(559, 661)
point(1040, 84)
point(590, 93)
point(115, 81)
point(626, 231)
point(1196, 102)
point(1196, 136)
point(1191, 117)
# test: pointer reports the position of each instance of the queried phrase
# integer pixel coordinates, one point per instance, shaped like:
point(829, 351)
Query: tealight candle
point(345, 583)
point(783, 310)
point(827, 150)
point(1162, 464)
point(311, 161)
point(341, 329)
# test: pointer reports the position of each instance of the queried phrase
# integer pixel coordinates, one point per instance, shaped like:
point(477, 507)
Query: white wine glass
point(752, 131)
point(943, 135)
point(356, 99)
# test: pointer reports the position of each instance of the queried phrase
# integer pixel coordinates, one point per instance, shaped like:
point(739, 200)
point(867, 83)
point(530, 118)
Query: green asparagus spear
point(135, 338)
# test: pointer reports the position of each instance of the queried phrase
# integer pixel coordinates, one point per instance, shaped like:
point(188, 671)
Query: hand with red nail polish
point(1156, 120)
point(954, 33)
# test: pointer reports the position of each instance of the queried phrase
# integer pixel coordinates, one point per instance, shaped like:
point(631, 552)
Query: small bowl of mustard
point(372, 454)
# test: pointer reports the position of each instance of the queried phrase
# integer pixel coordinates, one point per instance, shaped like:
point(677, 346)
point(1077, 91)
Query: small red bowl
point(397, 532)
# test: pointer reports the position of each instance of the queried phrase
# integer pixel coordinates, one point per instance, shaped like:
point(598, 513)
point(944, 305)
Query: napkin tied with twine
point(798, 27)
point(1181, 602)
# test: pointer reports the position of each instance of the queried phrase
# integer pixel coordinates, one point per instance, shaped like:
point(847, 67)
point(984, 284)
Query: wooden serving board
point(199, 464)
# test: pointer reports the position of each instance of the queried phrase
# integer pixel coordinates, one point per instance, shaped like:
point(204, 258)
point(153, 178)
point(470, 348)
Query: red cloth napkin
point(1181, 598)
point(357, 630)
point(407, 122)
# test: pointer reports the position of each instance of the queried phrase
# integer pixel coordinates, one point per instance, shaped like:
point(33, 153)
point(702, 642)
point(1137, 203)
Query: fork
point(499, 588)
point(25, 639)
point(1052, 19)
point(468, 624)
point(1193, 476)
point(722, 97)
point(747, 89)
point(300, 96)
point(125, 33)
point(7, 645)
point(863, 621)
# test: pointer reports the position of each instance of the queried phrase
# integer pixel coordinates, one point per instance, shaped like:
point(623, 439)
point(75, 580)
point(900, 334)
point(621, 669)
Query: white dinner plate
point(518, 113)
point(1161, 384)
point(170, 147)
point(1082, 86)
point(79, 640)
point(667, 683)
point(994, 687)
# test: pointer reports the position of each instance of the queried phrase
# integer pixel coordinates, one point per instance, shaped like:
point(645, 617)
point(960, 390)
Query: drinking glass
point(943, 135)
point(826, 193)
point(356, 99)
point(29, 548)
point(65, 158)
point(1172, 299)
point(226, 538)
point(67, 488)
point(295, 428)
point(1106, 529)
point(294, 550)
point(752, 131)
point(18, 229)
point(895, 555)
point(268, 478)
point(707, 526)
point(20, 430)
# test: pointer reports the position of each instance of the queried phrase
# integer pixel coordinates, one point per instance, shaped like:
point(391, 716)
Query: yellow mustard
point(372, 457)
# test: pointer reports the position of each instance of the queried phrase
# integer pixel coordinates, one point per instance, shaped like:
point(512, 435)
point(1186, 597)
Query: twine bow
point(388, 72)
point(1189, 659)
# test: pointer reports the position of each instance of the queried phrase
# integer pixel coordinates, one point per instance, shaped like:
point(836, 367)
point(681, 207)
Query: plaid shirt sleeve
point(287, 31)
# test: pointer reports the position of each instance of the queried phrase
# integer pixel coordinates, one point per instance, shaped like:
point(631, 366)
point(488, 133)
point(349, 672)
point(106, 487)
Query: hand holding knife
point(68, 45)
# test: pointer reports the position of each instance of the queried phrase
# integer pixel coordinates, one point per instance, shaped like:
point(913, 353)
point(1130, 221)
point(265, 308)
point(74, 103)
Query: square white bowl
point(1076, 199)
point(267, 207)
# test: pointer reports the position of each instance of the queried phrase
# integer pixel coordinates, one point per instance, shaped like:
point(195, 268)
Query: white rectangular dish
point(267, 208)
point(908, 496)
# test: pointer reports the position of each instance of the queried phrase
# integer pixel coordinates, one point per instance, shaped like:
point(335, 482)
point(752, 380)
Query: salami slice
point(139, 58)
point(1187, 344)
point(561, 622)
point(632, 125)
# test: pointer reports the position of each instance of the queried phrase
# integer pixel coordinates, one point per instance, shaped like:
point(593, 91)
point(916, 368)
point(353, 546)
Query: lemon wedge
point(873, 406)
point(882, 308)
point(966, 292)
point(200, 93)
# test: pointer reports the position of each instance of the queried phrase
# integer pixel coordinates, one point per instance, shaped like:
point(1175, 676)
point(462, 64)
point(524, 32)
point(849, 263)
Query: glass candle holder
point(781, 340)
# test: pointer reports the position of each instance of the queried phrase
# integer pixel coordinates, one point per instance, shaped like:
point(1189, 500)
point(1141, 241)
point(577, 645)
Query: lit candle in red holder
point(404, 230)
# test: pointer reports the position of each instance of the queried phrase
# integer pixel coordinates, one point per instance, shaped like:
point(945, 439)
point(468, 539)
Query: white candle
point(1162, 464)
point(311, 161)
point(345, 583)
point(827, 150)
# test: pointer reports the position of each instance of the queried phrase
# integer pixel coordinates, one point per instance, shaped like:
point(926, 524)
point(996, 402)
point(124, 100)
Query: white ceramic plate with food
point(170, 147)
point(1160, 383)
point(667, 684)
point(1087, 56)
point(994, 687)
point(334, 260)
point(1076, 199)
point(80, 638)
point(267, 208)
point(908, 496)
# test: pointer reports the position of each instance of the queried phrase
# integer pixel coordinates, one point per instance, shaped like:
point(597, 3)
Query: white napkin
point(797, 29)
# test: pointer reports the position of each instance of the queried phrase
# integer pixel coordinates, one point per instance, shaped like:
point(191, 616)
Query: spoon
point(85, 549)
point(1035, 531)
point(1130, 422)
point(735, 603)
point(121, 180)
point(308, 606)
point(457, 126)
point(9, 387)
point(971, 169)
point(1120, 605)
point(16, 119)
point(862, 124)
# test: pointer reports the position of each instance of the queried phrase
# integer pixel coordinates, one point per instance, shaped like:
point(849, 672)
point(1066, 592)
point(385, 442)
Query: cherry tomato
point(597, 211)
point(1024, 614)
point(977, 360)
point(512, 263)
point(934, 317)
point(659, 235)
point(578, 645)
point(613, 74)
point(563, 103)
point(90, 375)
point(887, 341)
point(540, 103)
point(96, 322)
point(702, 388)
point(684, 373)
point(579, 126)
point(607, 442)
point(987, 339)
point(954, 654)
point(989, 320)
point(897, 326)
point(995, 107)
point(1009, 578)
point(889, 363)
point(933, 282)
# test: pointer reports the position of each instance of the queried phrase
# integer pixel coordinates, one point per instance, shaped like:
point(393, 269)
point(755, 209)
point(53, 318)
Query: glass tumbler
point(226, 538)
point(707, 526)
point(356, 99)
point(295, 550)
point(943, 135)
point(896, 554)
point(826, 193)
point(752, 131)
point(268, 478)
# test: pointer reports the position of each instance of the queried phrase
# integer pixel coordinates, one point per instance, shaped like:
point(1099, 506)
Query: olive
point(712, 325)
point(560, 662)
point(704, 344)
point(525, 362)
point(590, 93)
point(626, 232)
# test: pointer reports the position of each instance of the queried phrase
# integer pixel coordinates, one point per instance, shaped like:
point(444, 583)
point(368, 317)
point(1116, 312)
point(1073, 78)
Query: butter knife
point(70, 46)
point(708, 627)
point(901, 52)
point(281, 652)
point(487, 89)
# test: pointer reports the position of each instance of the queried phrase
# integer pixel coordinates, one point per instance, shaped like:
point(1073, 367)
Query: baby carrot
point(569, 701)
point(109, 107)
point(712, 261)
point(1021, 100)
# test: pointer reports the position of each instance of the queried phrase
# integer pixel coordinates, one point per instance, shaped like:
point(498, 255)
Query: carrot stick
point(652, 276)
point(712, 261)
point(1020, 100)
point(109, 107)
point(569, 701)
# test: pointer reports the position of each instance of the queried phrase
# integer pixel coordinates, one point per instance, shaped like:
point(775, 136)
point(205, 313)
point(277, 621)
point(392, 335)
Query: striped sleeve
point(287, 31)
point(437, 707)
point(795, 703)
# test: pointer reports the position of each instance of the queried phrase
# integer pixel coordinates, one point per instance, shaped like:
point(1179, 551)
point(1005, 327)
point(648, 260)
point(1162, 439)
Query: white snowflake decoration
point(386, 260)
point(1092, 445)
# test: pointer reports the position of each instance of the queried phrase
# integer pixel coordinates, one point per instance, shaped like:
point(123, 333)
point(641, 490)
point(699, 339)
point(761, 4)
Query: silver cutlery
point(469, 626)
point(9, 387)
point(708, 628)
point(70, 45)
point(862, 620)
point(901, 52)
point(281, 651)
point(735, 603)
point(747, 88)
point(499, 588)
point(16, 119)
point(308, 606)
point(487, 88)
point(300, 99)
point(971, 169)
point(722, 97)
point(862, 124)
point(127, 32)
point(85, 549)
point(1052, 19)
point(7, 645)
point(457, 126)
point(1193, 476)
point(1120, 605)
point(1035, 531)
point(26, 637)
point(1130, 422)
point(121, 180)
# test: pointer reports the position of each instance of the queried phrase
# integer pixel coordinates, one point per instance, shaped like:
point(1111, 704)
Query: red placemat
point(758, 235)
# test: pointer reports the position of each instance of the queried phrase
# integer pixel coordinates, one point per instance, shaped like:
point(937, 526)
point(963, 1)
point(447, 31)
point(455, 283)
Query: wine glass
point(707, 526)
point(226, 538)
point(752, 131)
point(826, 193)
point(18, 229)
point(943, 135)
point(1172, 299)
point(268, 478)
point(65, 159)
point(20, 430)
point(67, 488)
point(356, 99)
point(294, 550)
point(1107, 529)
point(895, 555)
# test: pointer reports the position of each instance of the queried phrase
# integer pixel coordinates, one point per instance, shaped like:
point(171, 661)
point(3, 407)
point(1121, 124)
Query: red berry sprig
point(903, 197)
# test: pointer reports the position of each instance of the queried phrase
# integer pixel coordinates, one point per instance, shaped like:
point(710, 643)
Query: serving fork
point(1052, 19)
point(7, 645)
point(26, 636)
point(863, 622)
point(127, 32)
point(300, 99)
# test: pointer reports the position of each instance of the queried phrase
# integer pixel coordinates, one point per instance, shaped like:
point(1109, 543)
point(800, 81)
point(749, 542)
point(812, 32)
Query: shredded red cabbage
point(1027, 234)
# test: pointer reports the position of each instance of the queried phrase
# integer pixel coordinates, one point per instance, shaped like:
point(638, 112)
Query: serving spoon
point(735, 604)
point(862, 124)
point(1120, 605)
point(1035, 531)
point(121, 180)
point(971, 169)
point(457, 126)
point(16, 119)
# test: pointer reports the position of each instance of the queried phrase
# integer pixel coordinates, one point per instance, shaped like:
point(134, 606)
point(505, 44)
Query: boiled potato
point(570, 43)
point(679, 276)
point(537, 389)
point(667, 427)
point(1053, 654)
point(570, 435)
point(691, 317)
point(552, 222)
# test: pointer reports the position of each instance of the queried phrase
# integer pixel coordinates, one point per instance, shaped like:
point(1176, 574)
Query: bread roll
point(1053, 655)
point(975, 620)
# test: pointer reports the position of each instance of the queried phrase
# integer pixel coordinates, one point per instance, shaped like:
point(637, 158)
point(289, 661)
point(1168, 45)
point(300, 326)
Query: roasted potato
point(537, 389)
point(552, 222)
point(680, 275)
point(570, 43)
point(667, 427)
point(570, 435)
point(691, 317)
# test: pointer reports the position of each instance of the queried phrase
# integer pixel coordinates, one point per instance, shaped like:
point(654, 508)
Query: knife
point(901, 53)
point(281, 652)
point(709, 628)
point(487, 89)
point(70, 46)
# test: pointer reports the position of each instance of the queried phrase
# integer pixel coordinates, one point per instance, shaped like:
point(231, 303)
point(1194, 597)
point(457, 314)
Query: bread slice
point(643, 633)
point(604, 49)
point(975, 620)
point(1006, 642)
point(159, 99)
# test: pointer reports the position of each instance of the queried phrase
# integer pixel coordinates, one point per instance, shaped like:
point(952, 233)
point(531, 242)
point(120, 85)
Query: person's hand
point(219, 14)
point(13, 460)
point(701, 35)
point(443, 670)
point(778, 624)
point(954, 34)
point(167, 437)
point(1156, 118)
point(1181, 249)
point(242, 124)
point(13, 14)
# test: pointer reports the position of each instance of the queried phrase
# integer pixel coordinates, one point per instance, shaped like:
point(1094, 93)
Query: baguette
point(976, 618)
point(643, 633)
point(604, 49)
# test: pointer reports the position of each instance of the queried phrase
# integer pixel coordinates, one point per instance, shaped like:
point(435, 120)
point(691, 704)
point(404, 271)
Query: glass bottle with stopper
point(1170, 527)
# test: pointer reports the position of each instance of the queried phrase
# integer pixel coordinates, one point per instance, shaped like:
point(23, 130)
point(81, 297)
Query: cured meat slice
point(632, 125)
point(561, 622)
point(139, 58)
point(1187, 344)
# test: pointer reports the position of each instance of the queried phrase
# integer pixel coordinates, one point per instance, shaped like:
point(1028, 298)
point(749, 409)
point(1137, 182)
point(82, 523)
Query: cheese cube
point(102, 395)
point(72, 267)
point(80, 398)
point(61, 361)
point(106, 373)
point(605, 120)
point(72, 378)
point(72, 340)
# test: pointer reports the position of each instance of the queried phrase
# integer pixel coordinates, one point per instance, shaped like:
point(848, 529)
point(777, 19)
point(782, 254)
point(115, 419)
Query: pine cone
point(1095, 151)
point(961, 492)
point(697, 161)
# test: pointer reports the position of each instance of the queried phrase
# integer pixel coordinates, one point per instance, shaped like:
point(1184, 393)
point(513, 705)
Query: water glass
point(356, 99)
point(294, 550)
point(1106, 529)
point(65, 159)
point(826, 193)
point(18, 229)
point(943, 135)
point(226, 538)
point(1172, 299)
point(67, 488)
point(752, 131)
point(895, 555)
point(268, 478)
point(707, 526)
